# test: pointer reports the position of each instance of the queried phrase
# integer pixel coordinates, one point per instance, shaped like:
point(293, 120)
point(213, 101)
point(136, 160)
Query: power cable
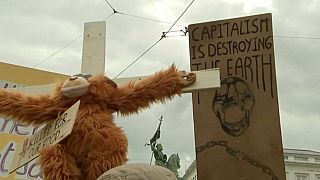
point(154, 44)
point(180, 16)
point(135, 60)
point(105, 19)
point(136, 16)
point(145, 18)
point(57, 51)
point(164, 34)
point(114, 10)
point(77, 38)
point(185, 31)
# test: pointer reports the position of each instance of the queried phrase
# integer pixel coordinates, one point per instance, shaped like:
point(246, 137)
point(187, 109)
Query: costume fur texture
point(96, 144)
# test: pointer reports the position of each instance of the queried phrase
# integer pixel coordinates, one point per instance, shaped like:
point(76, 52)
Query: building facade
point(299, 165)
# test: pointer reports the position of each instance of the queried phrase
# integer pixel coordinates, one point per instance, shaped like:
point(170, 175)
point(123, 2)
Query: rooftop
point(301, 151)
point(286, 151)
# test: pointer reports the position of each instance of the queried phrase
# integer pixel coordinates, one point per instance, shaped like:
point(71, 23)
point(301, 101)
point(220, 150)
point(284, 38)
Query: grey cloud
point(298, 72)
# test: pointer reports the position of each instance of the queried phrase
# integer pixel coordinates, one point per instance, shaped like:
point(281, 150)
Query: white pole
point(94, 47)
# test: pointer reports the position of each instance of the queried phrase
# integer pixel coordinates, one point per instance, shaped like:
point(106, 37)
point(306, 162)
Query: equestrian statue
point(173, 163)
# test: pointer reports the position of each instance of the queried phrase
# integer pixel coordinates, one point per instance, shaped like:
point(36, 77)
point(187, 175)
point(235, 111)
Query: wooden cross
point(93, 62)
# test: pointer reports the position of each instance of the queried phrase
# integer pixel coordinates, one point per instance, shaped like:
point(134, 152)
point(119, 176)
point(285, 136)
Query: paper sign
point(49, 135)
point(237, 126)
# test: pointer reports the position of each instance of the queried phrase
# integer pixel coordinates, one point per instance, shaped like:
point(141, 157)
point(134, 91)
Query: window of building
point(302, 176)
point(317, 160)
point(317, 176)
point(299, 158)
point(285, 157)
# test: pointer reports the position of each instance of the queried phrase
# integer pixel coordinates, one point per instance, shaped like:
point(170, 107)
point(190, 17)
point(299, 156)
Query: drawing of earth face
point(233, 103)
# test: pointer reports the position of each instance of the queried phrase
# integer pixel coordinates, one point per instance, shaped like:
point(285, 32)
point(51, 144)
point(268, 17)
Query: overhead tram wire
point(164, 35)
point(64, 47)
point(57, 51)
point(154, 44)
point(136, 16)
point(135, 60)
point(77, 38)
point(185, 32)
point(105, 19)
point(180, 16)
point(114, 10)
point(146, 18)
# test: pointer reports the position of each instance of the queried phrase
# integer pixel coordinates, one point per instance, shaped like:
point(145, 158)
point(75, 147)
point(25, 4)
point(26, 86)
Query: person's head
point(159, 147)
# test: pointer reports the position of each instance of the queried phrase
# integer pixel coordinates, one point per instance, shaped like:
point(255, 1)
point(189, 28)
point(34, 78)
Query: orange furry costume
point(96, 144)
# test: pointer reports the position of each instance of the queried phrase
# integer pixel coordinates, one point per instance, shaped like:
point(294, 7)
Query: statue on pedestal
point(173, 163)
point(160, 157)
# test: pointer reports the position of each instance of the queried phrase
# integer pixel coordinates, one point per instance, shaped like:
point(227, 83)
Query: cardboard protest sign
point(50, 134)
point(237, 128)
point(13, 134)
point(28, 76)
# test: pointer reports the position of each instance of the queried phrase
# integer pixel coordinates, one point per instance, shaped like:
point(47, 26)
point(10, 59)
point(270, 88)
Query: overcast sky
point(32, 30)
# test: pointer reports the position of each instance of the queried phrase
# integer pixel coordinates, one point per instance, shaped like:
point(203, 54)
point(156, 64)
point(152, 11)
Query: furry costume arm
point(32, 109)
point(157, 88)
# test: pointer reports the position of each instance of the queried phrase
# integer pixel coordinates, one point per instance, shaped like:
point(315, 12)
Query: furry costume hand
point(96, 144)
point(189, 78)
